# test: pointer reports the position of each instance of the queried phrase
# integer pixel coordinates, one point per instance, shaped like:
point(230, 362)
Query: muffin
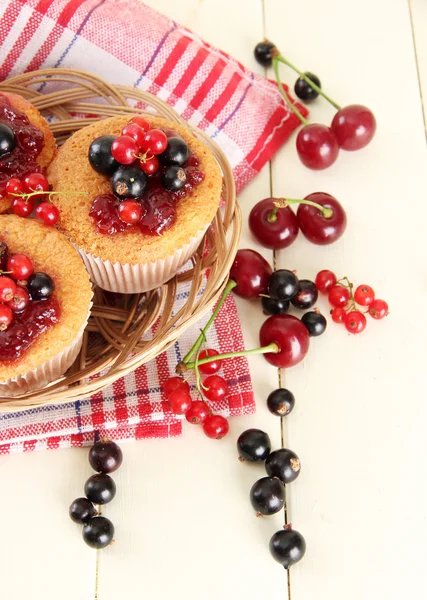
point(138, 255)
point(33, 145)
point(44, 310)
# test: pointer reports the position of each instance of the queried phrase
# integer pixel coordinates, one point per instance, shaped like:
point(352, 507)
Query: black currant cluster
point(284, 289)
point(98, 532)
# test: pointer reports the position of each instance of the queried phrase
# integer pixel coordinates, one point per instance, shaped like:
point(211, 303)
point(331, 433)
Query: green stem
point(196, 346)
point(349, 286)
point(26, 196)
point(284, 202)
point(271, 348)
point(285, 95)
point(272, 217)
point(308, 80)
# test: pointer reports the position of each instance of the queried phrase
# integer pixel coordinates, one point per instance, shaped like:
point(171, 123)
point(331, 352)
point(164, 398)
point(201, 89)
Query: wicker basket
point(113, 345)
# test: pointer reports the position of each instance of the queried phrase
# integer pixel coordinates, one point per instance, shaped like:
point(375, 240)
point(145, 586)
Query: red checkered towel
point(126, 42)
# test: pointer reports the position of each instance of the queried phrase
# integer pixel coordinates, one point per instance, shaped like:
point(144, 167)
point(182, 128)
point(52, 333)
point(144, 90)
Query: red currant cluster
point(14, 297)
point(26, 192)
point(344, 301)
point(318, 145)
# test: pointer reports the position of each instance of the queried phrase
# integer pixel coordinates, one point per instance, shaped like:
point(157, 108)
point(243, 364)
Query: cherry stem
point(202, 337)
point(315, 87)
point(284, 93)
point(285, 202)
point(272, 217)
point(271, 348)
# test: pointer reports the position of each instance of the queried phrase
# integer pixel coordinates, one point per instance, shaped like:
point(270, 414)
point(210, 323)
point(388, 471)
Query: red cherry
point(212, 367)
point(317, 146)
point(124, 149)
point(251, 272)
point(338, 315)
point(36, 182)
point(354, 126)
point(197, 413)
point(276, 232)
point(20, 300)
point(20, 266)
point(130, 211)
point(364, 295)
point(141, 122)
point(355, 321)
point(215, 388)
point(179, 401)
point(325, 280)
point(23, 208)
point(155, 141)
point(14, 186)
point(290, 335)
point(338, 296)
point(150, 165)
point(175, 383)
point(215, 427)
point(378, 309)
point(7, 288)
point(134, 131)
point(315, 226)
point(48, 213)
point(6, 317)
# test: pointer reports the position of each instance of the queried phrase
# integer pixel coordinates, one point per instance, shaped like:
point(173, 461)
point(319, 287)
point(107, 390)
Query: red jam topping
point(27, 327)
point(29, 144)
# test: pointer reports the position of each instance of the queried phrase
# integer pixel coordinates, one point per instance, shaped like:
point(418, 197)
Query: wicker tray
point(112, 345)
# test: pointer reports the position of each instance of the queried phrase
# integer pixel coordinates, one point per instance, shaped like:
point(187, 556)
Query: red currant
point(215, 427)
point(179, 401)
point(175, 383)
point(36, 182)
point(130, 211)
point(215, 388)
point(197, 413)
point(141, 122)
point(338, 315)
point(378, 309)
point(338, 296)
point(20, 266)
point(7, 288)
point(212, 367)
point(48, 213)
point(317, 146)
point(124, 149)
point(14, 186)
point(155, 141)
point(6, 317)
point(325, 280)
point(149, 165)
point(364, 295)
point(22, 207)
point(354, 127)
point(134, 131)
point(20, 300)
point(355, 321)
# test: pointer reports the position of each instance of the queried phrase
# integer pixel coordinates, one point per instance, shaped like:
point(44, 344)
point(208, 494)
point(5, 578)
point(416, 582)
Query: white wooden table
point(184, 525)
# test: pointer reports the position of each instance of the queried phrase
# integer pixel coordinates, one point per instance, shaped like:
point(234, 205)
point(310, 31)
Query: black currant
point(173, 178)
point(129, 182)
point(283, 464)
point(263, 53)
point(280, 402)
point(4, 255)
point(274, 306)
point(98, 532)
point(315, 323)
point(82, 510)
point(267, 496)
point(253, 445)
point(306, 296)
point(304, 91)
point(40, 286)
point(283, 284)
point(177, 153)
point(100, 157)
point(287, 547)
point(105, 456)
point(100, 488)
point(7, 140)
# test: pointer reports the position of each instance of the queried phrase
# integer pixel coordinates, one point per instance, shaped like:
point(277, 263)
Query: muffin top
point(71, 171)
point(51, 253)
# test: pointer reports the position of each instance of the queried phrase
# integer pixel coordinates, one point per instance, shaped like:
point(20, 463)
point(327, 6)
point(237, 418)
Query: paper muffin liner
point(125, 278)
point(47, 372)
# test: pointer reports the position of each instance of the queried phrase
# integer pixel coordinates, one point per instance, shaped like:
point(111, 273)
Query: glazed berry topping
point(161, 212)
point(104, 213)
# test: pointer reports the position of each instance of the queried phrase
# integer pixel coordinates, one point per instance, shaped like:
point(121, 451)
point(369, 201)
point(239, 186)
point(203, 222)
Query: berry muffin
point(27, 144)
point(45, 299)
point(147, 192)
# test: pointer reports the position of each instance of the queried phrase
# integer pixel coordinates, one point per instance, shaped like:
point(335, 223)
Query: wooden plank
point(418, 10)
